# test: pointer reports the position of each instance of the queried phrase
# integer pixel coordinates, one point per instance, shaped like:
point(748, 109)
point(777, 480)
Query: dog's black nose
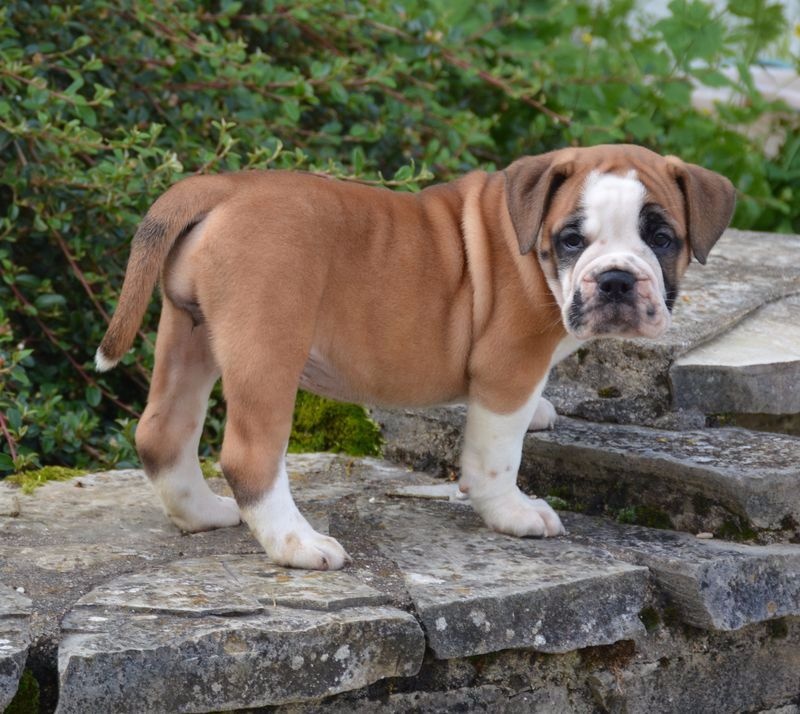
point(616, 285)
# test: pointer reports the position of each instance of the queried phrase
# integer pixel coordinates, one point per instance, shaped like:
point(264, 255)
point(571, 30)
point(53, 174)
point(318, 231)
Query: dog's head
point(613, 228)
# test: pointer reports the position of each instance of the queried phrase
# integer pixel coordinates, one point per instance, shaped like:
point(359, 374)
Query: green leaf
point(93, 395)
point(292, 110)
point(358, 130)
point(77, 82)
point(49, 301)
point(19, 376)
point(403, 173)
point(14, 418)
point(357, 159)
point(691, 32)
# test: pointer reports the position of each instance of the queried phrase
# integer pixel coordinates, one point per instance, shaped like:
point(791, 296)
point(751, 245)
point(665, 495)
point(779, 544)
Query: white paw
point(544, 417)
point(286, 535)
point(203, 512)
point(307, 549)
point(516, 514)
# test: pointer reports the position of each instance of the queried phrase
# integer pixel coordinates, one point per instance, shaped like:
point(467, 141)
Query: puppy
point(467, 291)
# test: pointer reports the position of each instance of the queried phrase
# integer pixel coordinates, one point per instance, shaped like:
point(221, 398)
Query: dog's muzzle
point(616, 302)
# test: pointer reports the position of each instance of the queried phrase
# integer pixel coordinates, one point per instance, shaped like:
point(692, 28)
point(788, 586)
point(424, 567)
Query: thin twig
point(78, 368)
point(12, 446)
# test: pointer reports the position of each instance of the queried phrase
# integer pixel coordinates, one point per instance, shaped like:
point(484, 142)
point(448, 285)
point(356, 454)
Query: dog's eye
point(571, 239)
point(660, 240)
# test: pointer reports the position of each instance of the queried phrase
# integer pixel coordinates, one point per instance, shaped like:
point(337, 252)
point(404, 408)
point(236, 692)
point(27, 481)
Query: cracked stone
point(228, 632)
point(729, 472)
point(206, 622)
point(477, 591)
point(716, 585)
point(15, 611)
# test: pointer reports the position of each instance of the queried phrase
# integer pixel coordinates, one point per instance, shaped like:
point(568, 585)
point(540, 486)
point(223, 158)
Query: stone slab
point(716, 585)
point(172, 664)
point(15, 612)
point(231, 585)
point(671, 670)
point(228, 632)
point(151, 607)
point(476, 591)
point(627, 381)
point(70, 537)
point(754, 368)
point(699, 477)
point(755, 475)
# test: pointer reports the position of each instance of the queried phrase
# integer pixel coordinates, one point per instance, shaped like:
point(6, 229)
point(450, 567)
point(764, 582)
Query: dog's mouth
point(616, 303)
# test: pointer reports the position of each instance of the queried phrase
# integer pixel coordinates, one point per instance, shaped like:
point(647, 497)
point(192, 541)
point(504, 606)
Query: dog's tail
point(170, 217)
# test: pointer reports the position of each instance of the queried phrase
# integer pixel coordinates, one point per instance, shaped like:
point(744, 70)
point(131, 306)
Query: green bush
point(105, 104)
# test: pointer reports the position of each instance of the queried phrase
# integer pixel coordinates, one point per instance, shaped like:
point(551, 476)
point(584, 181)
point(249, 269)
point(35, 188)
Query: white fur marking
point(185, 495)
point(102, 363)
point(564, 349)
point(544, 417)
point(489, 465)
point(611, 206)
point(286, 535)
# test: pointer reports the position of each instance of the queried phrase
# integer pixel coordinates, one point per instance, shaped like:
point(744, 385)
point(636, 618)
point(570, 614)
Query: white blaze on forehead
point(611, 205)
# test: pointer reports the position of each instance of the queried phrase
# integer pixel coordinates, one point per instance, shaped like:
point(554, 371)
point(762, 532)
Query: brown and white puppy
point(468, 291)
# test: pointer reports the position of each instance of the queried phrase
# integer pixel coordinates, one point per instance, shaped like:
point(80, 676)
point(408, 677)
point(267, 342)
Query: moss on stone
point(324, 425)
point(609, 392)
point(644, 515)
point(777, 629)
point(672, 616)
point(563, 492)
point(650, 618)
point(557, 503)
point(736, 529)
point(701, 504)
point(209, 468)
point(26, 700)
point(29, 481)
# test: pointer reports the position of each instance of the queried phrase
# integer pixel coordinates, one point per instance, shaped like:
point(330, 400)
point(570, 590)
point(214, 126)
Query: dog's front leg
point(489, 465)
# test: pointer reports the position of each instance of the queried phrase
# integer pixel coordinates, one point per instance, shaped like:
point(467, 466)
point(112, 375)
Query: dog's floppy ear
point(709, 199)
point(530, 185)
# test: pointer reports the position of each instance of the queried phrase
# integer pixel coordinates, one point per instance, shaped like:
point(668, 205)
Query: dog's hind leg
point(169, 431)
point(261, 366)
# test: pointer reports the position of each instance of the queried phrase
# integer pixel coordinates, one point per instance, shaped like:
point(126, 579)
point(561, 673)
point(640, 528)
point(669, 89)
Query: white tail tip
point(102, 363)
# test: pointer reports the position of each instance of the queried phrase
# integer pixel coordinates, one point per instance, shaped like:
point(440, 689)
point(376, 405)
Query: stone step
point(728, 481)
point(628, 381)
point(15, 612)
point(754, 368)
point(228, 632)
point(147, 619)
point(715, 584)
point(477, 592)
